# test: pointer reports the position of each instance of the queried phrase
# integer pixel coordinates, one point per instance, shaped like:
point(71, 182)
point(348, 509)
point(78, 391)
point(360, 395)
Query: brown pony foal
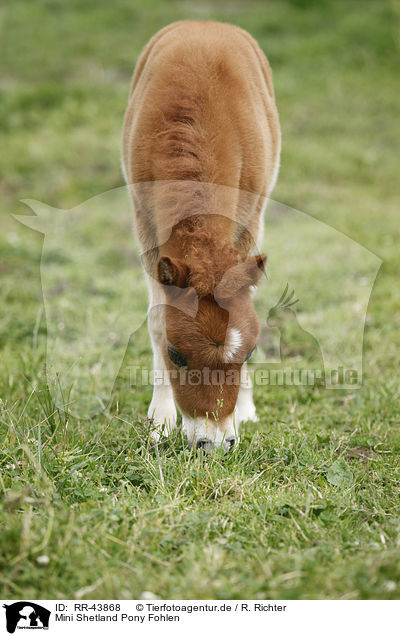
point(201, 144)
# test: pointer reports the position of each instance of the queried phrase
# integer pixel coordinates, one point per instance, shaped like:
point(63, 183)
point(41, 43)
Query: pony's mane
point(208, 257)
point(188, 192)
point(178, 142)
point(179, 147)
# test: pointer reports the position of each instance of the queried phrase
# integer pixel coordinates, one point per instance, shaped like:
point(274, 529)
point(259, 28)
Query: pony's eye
point(176, 357)
point(250, 353)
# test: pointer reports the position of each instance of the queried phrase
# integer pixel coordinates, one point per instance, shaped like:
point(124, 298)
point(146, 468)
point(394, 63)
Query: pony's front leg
point(245, 407)
point(162, 408)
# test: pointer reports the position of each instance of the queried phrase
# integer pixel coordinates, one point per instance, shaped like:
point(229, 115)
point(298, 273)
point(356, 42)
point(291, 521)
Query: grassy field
point(309, 505)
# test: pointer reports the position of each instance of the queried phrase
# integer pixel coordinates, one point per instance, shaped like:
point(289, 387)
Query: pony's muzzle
point(207, 445)
point(204, 444)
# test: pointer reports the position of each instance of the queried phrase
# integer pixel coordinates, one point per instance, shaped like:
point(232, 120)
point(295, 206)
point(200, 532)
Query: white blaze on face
point(232, 344)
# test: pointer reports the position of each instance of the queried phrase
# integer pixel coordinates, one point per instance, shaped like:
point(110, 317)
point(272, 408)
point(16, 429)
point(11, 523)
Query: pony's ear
point(261, 262)
point(172, 271)
point(243, 275)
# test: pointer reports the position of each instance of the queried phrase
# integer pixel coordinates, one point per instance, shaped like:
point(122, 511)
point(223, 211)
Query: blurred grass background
point(273, 519)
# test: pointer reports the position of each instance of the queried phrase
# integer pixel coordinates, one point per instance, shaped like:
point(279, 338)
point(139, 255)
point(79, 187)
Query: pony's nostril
point(204, 444)
point(231, 441)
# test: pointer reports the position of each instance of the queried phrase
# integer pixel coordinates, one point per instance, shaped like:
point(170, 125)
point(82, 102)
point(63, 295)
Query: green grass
point(115, 517)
